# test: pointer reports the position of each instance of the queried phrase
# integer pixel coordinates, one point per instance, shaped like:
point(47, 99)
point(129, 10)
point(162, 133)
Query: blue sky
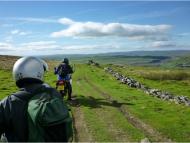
point(38, 28)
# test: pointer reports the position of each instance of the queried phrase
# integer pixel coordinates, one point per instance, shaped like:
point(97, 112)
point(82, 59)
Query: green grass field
point(105, 110)
point(176, 81)
point(169, 119)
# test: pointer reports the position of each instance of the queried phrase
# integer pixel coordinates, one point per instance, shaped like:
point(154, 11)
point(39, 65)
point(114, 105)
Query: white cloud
point(183, 34)
point(40, 45)
point(6, 47)
point(31, 48)
point(8, 39)
point(19, 32)
point(66, 21)
point(16, 31)
point(40, 20)
point(6, 25)
point(31, 19)
point(95, 29)
point(23, 33)
point(163, 44)
point(52, 47)
point(89, 49)
point(83, 47)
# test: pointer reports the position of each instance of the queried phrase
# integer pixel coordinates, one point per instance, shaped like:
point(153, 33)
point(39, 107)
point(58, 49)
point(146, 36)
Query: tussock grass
point(7, 62)
point(166, 75)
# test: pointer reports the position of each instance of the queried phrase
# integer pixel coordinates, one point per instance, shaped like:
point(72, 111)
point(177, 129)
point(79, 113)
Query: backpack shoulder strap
point(22, 95)
point(26, 95)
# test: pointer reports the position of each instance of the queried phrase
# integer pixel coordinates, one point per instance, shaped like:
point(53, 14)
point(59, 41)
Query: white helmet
point(29, 68)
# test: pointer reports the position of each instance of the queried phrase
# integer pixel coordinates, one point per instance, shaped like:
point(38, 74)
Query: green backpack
point(48, 118)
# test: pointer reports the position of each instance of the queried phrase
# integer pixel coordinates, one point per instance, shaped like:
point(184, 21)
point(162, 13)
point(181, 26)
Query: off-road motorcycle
point(61, 87)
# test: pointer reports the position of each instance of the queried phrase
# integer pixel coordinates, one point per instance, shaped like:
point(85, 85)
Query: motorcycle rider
point(28, 73)
point(64, 71)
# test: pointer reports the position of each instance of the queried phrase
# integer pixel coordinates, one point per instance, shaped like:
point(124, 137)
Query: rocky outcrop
point(153, 92)
point(145, 140)
point(91, 62)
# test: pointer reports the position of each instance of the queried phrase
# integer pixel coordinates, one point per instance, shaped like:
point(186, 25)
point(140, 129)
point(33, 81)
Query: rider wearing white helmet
point(29, 69)
point(28, 73)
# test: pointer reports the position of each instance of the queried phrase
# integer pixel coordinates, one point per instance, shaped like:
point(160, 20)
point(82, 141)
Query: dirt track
point(83, 133)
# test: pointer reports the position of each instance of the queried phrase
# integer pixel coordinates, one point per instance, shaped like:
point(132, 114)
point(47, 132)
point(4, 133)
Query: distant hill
point(173, 53)
point(180, 62)
point(143, 58)
point(171, 59)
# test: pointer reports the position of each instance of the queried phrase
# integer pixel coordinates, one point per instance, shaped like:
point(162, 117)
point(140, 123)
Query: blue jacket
point(67, 77)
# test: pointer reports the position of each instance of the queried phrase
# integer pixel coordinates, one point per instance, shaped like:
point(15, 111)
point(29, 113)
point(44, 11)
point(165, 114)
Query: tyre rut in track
point(81, 131)
point(117, 133)
point(149, 131)
point(80, 128)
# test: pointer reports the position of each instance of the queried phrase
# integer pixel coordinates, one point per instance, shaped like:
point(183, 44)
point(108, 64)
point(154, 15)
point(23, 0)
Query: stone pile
point(153, 92)
point(91, 62)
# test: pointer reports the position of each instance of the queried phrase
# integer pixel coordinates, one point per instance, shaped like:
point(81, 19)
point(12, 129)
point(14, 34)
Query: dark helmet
point(66, 61)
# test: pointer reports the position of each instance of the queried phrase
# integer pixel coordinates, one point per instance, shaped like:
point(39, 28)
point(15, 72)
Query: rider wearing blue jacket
point(64, 71)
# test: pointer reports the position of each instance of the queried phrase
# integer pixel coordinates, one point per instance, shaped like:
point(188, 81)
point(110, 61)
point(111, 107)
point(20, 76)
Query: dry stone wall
point(150, 91)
